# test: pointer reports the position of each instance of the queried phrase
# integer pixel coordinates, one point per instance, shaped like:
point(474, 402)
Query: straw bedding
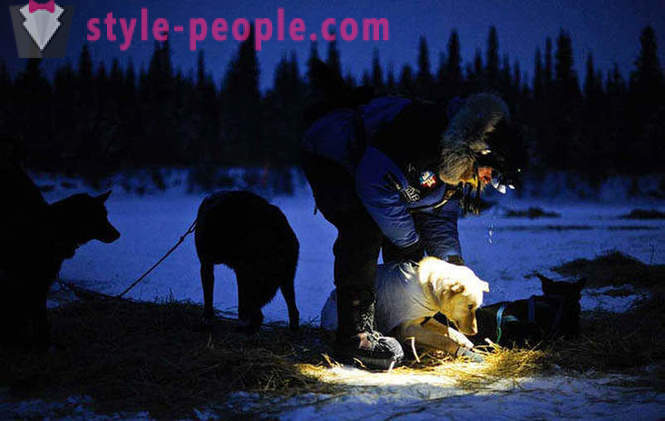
point(139, 356)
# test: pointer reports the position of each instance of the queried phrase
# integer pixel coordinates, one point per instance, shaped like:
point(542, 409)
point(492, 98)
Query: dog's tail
point(329, 92)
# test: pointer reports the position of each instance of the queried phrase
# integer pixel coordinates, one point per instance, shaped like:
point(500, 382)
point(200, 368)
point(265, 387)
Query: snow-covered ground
point(430, 397)
point(500, 250)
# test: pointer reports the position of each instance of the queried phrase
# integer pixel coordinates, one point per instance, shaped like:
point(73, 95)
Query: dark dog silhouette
point(529, 321)
point(251, 236)
point(39, 238)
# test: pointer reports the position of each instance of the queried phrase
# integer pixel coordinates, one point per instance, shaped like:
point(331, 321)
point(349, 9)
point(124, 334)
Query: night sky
point(608, 28)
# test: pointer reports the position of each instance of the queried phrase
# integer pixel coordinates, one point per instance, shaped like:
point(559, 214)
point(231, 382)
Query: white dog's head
point(458, 289)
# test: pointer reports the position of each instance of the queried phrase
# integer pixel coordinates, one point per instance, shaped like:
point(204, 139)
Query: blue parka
point(404, 215)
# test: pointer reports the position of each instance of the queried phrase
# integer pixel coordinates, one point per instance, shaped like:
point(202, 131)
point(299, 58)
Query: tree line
point(90, 120)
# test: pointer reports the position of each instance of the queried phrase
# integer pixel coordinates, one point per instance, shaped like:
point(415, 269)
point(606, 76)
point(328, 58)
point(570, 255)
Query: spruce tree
point(391, 85)
point(350, 80)
point(377, 73)
point(517, 78)
point(538, 76)
point(592, 84)
point(566, 81)
point(441, 70)
point(241, 127)
point(64, 140)
point(453, 85)
point(646, 81)
point(366, 80)
point(406, 81)
point(478, 63)
point(548, 63)
point(505, 77)
point(475, 74)
point(333, 60)
point(569, 146)
point(492, 69)
point(313, 56)
point(205, 148)
point(424, 80)
point(647, 112)
point(201, 76)
point(32, 112)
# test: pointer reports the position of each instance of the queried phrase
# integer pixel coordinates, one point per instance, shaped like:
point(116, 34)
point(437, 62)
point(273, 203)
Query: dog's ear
point(544, 280)
point(429, 270)
point(485, 287)
point(102, 197)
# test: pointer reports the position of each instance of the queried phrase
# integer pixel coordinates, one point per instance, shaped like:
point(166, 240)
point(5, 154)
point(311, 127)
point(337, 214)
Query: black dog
point(81, 218)
point(40, 238)
point(252, 237)
point(518, 323)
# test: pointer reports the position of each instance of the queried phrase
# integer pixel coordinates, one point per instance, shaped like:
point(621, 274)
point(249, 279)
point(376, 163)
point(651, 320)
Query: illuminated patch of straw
point(500, 364)
point(438, 369)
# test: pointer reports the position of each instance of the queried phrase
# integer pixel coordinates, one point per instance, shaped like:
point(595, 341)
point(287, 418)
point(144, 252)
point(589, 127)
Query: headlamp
point(503, 177)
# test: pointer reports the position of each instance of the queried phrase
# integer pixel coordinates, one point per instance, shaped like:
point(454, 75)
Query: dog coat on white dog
point(399, 298)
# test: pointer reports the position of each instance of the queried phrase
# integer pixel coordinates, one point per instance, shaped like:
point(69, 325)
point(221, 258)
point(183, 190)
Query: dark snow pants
point(359, 239)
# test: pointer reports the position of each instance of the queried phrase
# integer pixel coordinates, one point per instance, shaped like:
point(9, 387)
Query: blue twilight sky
point(608, 28)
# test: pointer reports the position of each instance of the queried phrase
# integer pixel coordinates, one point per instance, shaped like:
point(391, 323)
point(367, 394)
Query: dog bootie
point(358, 341)
point(474, 357)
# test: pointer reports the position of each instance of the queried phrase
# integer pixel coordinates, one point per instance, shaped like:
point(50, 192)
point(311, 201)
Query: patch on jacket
point(411, 194)
point(428, 179)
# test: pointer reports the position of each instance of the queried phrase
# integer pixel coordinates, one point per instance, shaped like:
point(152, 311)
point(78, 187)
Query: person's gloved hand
point(392, 253)
point(415, 252)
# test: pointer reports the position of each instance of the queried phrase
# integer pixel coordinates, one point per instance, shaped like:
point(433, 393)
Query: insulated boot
point(356, 338)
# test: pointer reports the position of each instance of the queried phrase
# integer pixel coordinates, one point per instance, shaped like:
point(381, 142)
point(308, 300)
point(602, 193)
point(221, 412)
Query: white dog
point(452, 290)
point(408, 296)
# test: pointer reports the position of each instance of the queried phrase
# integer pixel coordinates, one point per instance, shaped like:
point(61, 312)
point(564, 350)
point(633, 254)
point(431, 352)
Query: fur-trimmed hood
point(466, 135)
